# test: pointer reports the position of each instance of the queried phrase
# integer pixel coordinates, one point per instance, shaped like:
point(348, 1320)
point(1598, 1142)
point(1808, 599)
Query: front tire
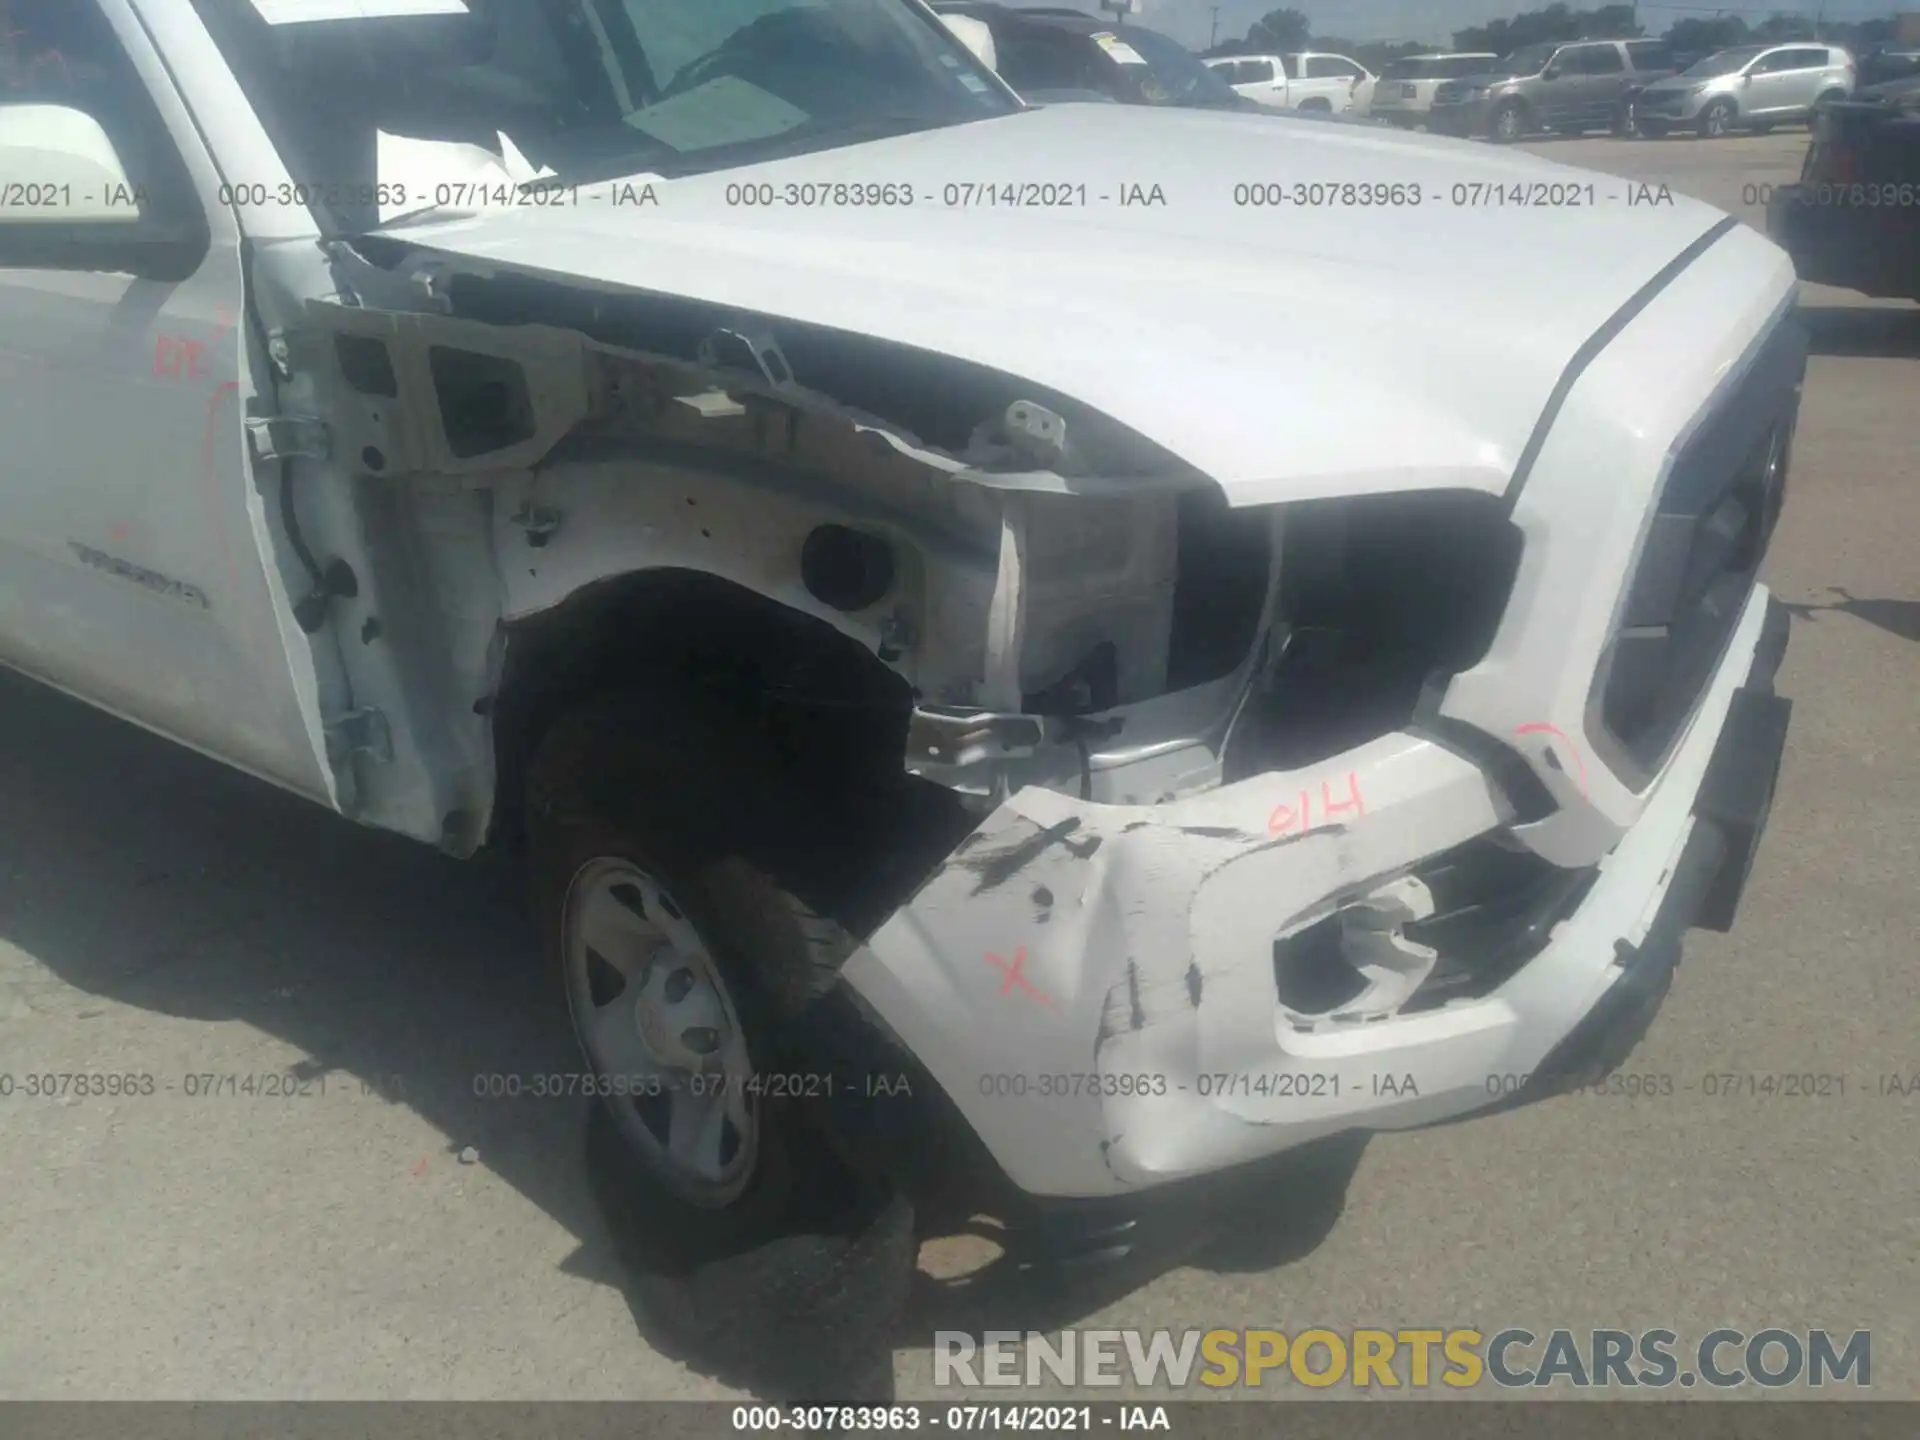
point(1716, 120)
point(1509, 123)
point(1652, 129)
point(682, 959)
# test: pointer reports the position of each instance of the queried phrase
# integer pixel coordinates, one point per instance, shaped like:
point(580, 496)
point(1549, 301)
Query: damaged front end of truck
point(1173, 827)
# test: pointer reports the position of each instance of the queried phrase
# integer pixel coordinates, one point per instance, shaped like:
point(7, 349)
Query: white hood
point(1286, 351)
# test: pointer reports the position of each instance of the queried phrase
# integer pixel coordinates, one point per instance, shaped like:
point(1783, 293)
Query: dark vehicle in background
point(1854, 218)
point(1885, 65)
point(1567, 87)
point(1404, 92)
point(1058, 55)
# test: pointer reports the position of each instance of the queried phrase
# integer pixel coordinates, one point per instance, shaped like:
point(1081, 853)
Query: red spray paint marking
point(180, 357)
point(1541, 727)
point(1298, 819)
point(1015, 975)
point(175, 357)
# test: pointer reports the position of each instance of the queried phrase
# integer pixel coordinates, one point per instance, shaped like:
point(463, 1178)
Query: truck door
point(1597, 80)
point(1261, 79)
point(130, 572)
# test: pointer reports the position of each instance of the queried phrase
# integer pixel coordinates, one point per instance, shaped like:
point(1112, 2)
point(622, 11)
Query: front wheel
point(1716, 120)
point(655, 826)
point(1652, 129)
point(1510, 122)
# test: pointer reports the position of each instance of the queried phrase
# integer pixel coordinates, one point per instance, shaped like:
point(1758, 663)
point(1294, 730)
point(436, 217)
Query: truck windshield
point(590, 89)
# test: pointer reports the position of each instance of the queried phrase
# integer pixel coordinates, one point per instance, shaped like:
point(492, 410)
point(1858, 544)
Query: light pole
point(1213, 35)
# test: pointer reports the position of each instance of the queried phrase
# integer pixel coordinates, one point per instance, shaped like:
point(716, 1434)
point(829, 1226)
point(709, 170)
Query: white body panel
point(1230, 286)
point(1158, 916)
point(131, 534)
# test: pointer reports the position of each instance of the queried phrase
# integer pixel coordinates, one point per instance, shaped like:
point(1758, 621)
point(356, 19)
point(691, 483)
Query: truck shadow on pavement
point(1873, 332)
point(141, 874)
point(1897, 617)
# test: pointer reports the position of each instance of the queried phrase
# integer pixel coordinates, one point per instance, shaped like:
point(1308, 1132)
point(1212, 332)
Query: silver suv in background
point(1754, 87)
point(1569, 87)
point(1404, 92)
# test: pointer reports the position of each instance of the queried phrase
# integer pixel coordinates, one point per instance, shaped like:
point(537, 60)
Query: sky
point(1191, 21)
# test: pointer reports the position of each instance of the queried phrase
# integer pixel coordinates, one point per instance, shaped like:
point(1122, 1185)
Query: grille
point(1710, 531)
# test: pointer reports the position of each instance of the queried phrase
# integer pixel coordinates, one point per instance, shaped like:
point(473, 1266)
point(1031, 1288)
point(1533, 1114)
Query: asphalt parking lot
point(160, 914)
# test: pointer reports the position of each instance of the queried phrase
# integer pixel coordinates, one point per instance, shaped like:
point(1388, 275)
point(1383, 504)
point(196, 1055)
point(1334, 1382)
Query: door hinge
point(360, 732)
point(287, 437)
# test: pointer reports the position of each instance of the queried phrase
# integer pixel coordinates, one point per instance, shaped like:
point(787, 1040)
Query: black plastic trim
point(1598, 341)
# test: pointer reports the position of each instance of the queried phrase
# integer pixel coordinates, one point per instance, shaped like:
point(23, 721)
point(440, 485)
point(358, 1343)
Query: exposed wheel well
point(837, 708)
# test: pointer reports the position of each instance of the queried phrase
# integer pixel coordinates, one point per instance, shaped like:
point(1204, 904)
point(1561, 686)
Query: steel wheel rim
point(659, 1029)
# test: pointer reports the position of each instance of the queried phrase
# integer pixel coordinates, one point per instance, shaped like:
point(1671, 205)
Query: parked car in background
point(1567, 87)
point(1853, 220)
point(1315, 66)
point(1305, 81)
point(1404, 92)
point(1060, 56)
point(1057, 56)
point(1751, 87)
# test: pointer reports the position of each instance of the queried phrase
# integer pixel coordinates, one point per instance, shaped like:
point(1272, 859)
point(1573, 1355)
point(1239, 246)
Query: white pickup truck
point(1308, 80)
point(934, 696)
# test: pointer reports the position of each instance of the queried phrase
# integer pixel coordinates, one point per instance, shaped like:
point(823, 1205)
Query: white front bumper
point(1094, 985)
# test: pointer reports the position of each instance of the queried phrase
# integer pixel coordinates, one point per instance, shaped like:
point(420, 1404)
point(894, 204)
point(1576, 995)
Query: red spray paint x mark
point(1015, 974)
point(1540, 727)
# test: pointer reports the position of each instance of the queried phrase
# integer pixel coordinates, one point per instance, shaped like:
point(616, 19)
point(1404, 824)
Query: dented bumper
point(1097, 989)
